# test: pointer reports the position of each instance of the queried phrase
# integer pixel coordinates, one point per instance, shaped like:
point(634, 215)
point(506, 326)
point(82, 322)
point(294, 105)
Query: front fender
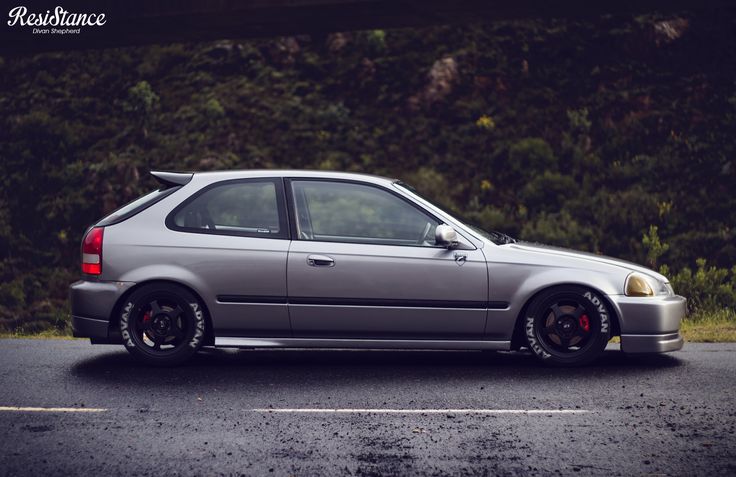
point(517, 284)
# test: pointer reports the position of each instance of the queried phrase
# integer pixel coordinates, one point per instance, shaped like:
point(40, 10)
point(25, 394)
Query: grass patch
point(710, 327)
point(706, 327)
point(51, 334)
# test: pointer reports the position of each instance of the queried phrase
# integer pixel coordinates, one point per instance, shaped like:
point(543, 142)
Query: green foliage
point(214, 110)
point(531, 156)
point(654, 247)
point(12, 294)
point(488, 218)
point(141, 100)
point(708, 288)
point(558, 228)
point(581, 133)
point(32, 302)
point(579, 121)
point(376, 40)
point(430, 183)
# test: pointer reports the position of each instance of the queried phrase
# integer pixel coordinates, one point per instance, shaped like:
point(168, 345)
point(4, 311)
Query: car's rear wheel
point(162, 324)
point(567, 325)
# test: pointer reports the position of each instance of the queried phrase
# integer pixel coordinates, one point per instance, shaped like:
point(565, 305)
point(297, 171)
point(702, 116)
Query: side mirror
point(445, 235)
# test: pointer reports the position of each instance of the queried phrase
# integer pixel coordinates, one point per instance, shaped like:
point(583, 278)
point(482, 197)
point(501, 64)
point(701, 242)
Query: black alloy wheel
point(568, 325)
point(162, 324)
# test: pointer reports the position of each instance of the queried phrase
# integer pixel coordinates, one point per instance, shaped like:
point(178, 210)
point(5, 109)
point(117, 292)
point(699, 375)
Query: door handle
point(320, 261)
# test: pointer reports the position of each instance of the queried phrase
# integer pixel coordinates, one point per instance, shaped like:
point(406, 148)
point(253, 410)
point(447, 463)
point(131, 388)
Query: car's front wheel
point(162, 324)
point(567, 325)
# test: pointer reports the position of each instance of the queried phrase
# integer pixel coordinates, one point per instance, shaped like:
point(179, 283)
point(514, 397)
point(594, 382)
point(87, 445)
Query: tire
point(567, 326)
point(162, 324)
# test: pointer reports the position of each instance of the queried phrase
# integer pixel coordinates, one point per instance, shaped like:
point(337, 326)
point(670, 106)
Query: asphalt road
point(661, 415)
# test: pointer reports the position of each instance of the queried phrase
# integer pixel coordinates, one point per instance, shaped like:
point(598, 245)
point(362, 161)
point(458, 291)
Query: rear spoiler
point(171, 179)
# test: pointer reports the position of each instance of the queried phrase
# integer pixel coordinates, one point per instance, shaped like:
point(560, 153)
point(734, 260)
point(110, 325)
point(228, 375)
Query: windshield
point(499, 238)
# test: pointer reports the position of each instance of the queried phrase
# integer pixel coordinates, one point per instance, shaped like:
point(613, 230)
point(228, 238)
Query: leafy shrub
point(654, 247)
point(708, 288)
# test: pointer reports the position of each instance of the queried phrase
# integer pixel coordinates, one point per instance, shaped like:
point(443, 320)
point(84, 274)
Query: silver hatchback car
point(325, 259)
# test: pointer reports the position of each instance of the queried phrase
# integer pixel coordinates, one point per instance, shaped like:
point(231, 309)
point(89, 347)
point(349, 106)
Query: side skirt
point(236, 342)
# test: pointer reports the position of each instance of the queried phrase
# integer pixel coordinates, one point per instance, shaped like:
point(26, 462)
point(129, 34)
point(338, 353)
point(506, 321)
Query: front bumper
point(92, 304)
point(651, 343)
point(650, 324)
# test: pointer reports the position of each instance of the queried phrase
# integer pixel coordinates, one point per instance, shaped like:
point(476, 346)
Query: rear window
point(129, 210)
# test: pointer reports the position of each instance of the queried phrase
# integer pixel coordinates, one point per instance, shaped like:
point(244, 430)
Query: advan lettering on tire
point(198, 325)
point(533, 342)
point(124, 329)
point(598, 303)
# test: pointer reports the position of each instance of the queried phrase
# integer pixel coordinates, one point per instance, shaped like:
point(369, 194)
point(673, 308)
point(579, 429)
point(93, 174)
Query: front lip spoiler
point(664, 343)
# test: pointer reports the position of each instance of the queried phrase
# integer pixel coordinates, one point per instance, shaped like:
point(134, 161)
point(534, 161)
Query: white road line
point(51, 409)
point(423, 411)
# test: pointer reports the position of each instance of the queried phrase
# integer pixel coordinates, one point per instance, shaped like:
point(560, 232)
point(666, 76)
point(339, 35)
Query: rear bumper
point(650, 324)
point(92, 306)
point(89, 328)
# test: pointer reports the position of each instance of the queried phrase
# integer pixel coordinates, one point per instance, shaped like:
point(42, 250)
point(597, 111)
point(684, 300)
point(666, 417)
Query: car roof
point(214, 176)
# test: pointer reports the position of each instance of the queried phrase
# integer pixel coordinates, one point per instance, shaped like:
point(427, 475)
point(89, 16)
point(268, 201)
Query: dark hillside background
point(615, 135)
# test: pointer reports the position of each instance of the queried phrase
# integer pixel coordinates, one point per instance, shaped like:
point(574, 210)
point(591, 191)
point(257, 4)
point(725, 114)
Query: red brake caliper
point(147, 316)
point(585, 323)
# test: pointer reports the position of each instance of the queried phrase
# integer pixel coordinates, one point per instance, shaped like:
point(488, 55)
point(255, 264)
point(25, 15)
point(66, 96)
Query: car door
point(232, 236)
point(363, 264)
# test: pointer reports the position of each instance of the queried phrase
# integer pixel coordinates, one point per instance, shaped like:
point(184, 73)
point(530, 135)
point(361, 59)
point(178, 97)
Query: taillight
point(92, 251)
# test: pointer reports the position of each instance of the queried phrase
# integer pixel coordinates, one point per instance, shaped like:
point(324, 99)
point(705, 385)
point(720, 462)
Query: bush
point(708, 289)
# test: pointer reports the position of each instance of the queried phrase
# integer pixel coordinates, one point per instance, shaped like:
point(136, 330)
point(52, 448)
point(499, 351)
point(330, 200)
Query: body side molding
point(390, 302)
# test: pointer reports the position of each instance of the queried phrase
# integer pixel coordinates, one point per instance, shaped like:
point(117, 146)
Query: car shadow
point(336, 367)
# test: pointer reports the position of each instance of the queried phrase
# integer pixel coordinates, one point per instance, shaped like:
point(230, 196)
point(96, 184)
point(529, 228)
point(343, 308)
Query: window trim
point(292, 209)
point(284, 225)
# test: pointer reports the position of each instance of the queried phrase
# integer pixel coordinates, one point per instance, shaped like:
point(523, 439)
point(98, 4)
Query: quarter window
point(349, 212)
point(250, 208)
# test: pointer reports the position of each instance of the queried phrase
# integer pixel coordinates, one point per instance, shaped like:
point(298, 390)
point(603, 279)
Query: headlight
point(637, 285)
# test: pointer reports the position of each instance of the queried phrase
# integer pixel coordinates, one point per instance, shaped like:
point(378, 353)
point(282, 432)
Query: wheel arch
point(518, 338)
point(114, 329)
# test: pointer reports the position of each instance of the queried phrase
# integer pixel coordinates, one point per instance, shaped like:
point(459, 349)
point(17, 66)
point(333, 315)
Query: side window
point(347, 212)
point(242, 207)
